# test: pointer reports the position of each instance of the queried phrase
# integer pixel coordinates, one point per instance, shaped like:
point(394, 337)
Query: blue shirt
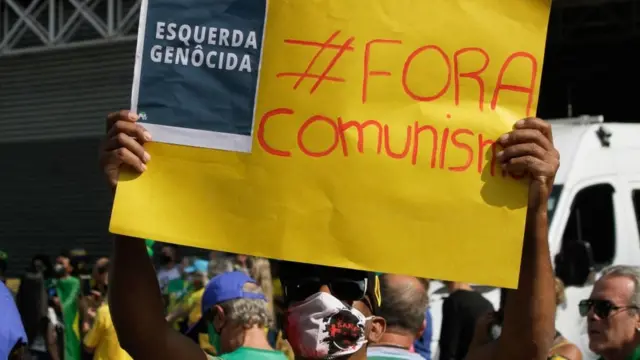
point(422, 345)
point(11, 329)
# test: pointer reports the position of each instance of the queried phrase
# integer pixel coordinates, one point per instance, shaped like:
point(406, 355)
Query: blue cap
point(11, 329)
point(224, 287)
point(199, 265)
point(228, 286)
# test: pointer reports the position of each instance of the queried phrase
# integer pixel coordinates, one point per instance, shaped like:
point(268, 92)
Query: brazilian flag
point(68, 290)
point(149, 244)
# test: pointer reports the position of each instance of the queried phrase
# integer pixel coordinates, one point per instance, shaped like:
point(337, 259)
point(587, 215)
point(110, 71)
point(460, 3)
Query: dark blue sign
point(200, 62)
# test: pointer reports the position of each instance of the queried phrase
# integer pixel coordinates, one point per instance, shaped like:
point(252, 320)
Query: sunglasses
point(343, 289)
point(602, 308)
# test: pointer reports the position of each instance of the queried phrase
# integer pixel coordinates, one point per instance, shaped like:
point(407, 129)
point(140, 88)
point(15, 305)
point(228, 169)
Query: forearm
point(530, 310)
point(135, 301)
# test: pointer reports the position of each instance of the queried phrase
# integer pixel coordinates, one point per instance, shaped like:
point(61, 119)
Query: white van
point(594, 212)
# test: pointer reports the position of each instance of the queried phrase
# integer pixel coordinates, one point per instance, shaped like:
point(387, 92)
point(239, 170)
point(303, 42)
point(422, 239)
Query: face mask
point(59, 270)
point(322, 327)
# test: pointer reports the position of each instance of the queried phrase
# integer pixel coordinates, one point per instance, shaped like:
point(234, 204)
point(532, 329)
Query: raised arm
point(135, 301)
point(530, 311)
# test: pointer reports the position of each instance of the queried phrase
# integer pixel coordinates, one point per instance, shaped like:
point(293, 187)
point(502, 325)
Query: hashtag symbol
point(324, 76)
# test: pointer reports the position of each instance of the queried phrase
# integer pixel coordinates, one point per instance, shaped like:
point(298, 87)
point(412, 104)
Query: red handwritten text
point(464, 68)
point(421, 143)
point(328, 44)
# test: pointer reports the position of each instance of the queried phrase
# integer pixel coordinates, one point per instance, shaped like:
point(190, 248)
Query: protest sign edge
point(137, 68)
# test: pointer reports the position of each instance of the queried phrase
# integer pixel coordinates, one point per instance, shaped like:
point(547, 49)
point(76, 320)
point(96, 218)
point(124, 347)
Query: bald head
point(404, 302)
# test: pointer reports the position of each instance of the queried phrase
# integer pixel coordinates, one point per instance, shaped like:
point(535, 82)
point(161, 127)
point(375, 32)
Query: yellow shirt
point(102, 338)
point(194, 306)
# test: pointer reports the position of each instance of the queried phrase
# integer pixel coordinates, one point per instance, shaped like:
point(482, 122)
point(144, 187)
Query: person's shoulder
point(4, 290)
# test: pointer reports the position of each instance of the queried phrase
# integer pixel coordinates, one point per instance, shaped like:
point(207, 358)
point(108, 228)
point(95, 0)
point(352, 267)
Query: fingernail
point(503, 138)
point(146, 157)
point(147, 136)
point(499, 155)
point(503, 166)
point(519, 123)
point(143, 167)
point(133, 116)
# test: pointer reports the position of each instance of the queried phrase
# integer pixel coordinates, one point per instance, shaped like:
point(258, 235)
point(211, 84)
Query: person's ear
point(423, 327)
point(219, 317)
point(377, 328)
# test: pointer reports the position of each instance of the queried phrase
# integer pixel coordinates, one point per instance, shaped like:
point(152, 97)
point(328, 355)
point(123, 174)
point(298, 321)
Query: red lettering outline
point(387, 146)
point(304, 127)
point(260, 134)
point(405, 73)
point(481, 145)
point(470, 75)
point(527, 90)
point(367, 54)
point(434, 151)
point(342, 127)
point(459, 145)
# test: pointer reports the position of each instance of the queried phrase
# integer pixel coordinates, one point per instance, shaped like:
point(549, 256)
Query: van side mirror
point(574, 264)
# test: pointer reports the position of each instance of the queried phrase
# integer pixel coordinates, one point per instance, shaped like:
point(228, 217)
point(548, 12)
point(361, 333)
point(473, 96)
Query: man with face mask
point(330, 312)
point(68, 291)
point(613, 314)
point(137, 307)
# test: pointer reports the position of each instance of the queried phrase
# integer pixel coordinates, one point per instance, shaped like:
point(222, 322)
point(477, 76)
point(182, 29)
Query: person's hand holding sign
point(528, 149)
point(123, 145)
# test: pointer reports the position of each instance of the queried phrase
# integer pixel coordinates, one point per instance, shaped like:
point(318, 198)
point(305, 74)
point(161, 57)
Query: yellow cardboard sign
point(378, 155)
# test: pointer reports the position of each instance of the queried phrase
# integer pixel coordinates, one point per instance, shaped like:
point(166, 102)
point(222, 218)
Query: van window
point(553, 201)
point(592, 220)
point(635, 196)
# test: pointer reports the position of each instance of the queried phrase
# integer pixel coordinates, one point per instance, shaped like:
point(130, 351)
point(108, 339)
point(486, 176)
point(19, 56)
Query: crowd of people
point(144, 305)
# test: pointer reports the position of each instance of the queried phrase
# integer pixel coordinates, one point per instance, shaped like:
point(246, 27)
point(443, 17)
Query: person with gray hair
point(235, 315)
point(404, 305)
point(613, 314)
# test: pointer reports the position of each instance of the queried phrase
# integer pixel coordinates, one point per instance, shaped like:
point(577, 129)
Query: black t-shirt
point(459, 314)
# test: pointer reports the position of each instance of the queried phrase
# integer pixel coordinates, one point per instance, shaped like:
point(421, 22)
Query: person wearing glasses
point(319, 293)
point(330, 312)
point(613, 314)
